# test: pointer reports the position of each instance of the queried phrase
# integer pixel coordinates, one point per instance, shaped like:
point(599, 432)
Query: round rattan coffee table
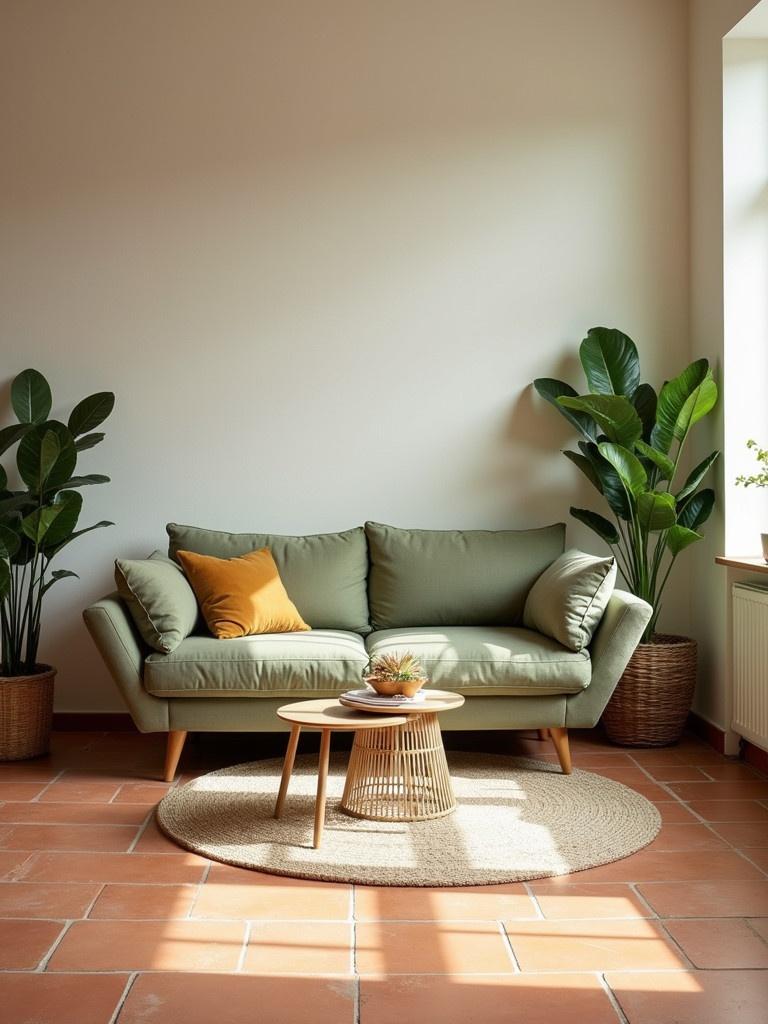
point(325, 715)
point(400, 773)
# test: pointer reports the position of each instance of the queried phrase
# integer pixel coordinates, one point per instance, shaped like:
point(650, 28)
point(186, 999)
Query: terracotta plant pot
point(650, 706)
point(395, 687)
point(26, 713)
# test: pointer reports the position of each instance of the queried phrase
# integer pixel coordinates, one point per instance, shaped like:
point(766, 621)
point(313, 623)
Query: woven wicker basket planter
point(26, 713)
point(650, 706)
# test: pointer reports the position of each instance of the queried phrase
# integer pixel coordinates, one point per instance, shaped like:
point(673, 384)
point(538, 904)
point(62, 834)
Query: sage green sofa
point(453, 598)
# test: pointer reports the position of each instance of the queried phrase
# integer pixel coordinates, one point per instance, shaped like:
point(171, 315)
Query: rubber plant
point(40, 518)
point(631, 451)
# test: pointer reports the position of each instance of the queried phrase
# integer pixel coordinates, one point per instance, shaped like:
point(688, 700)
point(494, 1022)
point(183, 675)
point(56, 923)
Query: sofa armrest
point(123, 652)
point(620, 631)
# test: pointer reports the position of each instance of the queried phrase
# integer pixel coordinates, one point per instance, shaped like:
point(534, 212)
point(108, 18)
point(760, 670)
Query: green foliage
point(631, 448)
point(39, 519)
point(759, 479)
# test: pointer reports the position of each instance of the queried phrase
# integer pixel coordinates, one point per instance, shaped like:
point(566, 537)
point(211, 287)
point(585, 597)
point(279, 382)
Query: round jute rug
point(517, 819)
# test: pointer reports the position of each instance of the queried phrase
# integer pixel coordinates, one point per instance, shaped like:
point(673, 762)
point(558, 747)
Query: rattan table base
point(399, 773)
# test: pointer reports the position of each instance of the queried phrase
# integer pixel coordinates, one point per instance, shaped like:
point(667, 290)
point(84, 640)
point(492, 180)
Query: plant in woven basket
point(39, 514)
point(393, 674)
point(631, 450)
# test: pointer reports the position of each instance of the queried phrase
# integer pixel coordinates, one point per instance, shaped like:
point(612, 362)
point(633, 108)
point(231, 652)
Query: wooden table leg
point(290, 757)
point(322, 778)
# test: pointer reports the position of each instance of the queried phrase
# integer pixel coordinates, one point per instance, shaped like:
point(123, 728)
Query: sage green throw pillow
point(567, 601)
point(159, 599)
point(325, 574)
point(455, 577)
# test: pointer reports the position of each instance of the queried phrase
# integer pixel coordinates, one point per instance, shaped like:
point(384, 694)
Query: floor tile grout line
point(517, 969)
point(92, 904)
point(43, 965)
point(634, 888)
point(36, 799)
point(676, 945)
point(357, 1008)
point(142, 829)
point(748, 922)
point(535, 900)
point(121, 1001)
point(244, 948)
point(611, 996)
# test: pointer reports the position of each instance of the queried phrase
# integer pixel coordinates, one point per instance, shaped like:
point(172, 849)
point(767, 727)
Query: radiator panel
point(750, 663)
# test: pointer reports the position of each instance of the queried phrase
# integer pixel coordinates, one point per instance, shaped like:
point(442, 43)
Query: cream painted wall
point(320, 250)
point(710, 20)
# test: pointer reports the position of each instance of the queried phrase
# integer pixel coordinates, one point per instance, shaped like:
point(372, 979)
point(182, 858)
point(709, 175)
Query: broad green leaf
point(9, 542)
point(92, 411)
point(26, 551)
point(655, 511)
point(586, 468)
point(85, 481)
point(34, 456)
point(5, 579)
point(610, 361)
point(551, 389)
point(88, 441)
point(60, 574)
point(672, 397)
point(644, 401)
point(696, 476)
point(37, 523)
point(71, 503)
point(614, 414)
point(79, 533)
point(701, 401)
point(696, 509)
point(662, 462)
point(679, 537)
point(31, 397)
point(627, 465)
point(611, 485)
point(602, 527)
point(10, 435)
point(19, 501)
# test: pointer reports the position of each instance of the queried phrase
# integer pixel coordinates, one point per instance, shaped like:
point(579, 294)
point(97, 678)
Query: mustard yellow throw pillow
point(241, 596)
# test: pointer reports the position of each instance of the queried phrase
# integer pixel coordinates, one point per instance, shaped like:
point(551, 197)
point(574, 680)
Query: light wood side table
point(326, 716)
point(401, 774)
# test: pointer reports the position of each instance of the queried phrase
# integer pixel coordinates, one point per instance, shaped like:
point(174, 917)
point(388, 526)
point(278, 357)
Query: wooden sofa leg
point(560, 740)
point(543, 734)
point(173, 752)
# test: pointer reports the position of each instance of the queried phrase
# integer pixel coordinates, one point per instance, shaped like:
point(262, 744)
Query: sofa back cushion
point(455, 577)
point(324, 574)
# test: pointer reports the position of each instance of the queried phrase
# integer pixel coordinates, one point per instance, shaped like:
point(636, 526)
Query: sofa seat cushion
point(322, 663)
point(494, 661)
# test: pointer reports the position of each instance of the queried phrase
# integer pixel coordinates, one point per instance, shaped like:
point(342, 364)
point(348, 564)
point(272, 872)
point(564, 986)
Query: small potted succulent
point(759, 479)
point(394, 675)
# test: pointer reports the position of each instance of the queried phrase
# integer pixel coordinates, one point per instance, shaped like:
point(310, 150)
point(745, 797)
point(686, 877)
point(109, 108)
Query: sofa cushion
point(161, 602)
point(568, 600)
point(241, 596)
point(482, 660)
point(455, 577)
point(325, 574)
point(322, 663)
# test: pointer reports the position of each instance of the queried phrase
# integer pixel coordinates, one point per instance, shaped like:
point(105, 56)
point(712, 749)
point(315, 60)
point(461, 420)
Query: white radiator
point(750, 663)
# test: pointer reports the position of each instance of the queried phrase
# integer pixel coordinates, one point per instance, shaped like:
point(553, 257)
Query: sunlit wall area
point(745, 222)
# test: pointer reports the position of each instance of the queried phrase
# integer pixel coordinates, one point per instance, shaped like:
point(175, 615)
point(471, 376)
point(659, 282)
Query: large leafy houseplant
point(39, 517)
point(631, 450)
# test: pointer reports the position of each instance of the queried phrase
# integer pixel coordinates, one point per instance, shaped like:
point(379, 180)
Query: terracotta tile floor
point(104, 921)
